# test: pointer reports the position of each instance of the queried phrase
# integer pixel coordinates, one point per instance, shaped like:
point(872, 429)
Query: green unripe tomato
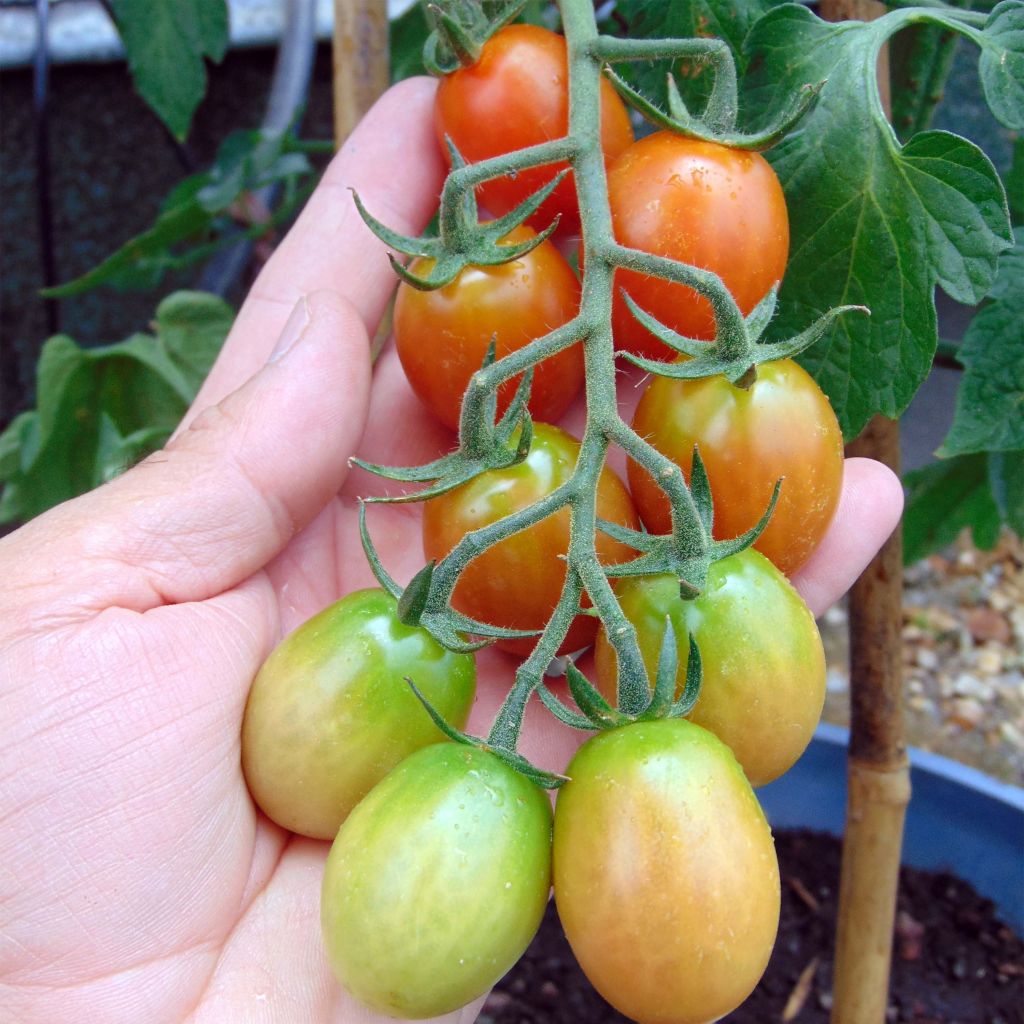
point(437, 882)
point(764, 664)
point(665, 872)
point(330, 713)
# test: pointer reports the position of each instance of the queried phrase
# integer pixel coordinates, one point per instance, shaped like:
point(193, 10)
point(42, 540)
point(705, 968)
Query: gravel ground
point(963, 657)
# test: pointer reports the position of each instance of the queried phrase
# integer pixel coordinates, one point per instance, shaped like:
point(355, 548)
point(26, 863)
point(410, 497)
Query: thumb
point(228, 493)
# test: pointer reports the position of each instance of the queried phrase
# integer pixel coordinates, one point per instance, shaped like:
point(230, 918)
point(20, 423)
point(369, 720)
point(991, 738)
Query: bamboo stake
point(878, 772)
point(361, 67)
point(362, 72)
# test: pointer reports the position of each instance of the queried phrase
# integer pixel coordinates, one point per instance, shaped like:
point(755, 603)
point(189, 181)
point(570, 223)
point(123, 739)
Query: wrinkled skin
point(139, 881)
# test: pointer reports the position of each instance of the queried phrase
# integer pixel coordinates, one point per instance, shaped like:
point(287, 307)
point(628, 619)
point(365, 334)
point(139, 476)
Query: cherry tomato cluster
point(663, 865)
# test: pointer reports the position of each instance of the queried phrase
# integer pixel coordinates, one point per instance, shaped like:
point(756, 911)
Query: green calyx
point(459, 29)
point(483, 444)
point(426, 602)
point(689, 550)
point(717, 121)
point(639, 701)
point(515, 761)
point(462, 239)
point(737, 350)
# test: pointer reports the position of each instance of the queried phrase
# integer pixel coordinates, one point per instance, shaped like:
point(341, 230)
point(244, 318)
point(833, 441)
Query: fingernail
point(293, 330)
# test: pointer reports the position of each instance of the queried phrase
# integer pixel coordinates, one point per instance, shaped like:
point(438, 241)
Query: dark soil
point(954, 961)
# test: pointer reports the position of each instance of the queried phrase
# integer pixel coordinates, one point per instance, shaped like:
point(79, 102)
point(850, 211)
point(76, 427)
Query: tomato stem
point(689, 549)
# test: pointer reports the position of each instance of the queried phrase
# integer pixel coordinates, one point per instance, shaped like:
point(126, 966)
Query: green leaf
point(656, 19)
point(166, 44)
point(196, 219)
point(872, 223)
point(191, 328)
point(1015, 181)
point(1006, 479)
point(408, 33)
point(1002, 63)
point(101, 409)
point(990, 400)
point(942, 500)
point(919, 63)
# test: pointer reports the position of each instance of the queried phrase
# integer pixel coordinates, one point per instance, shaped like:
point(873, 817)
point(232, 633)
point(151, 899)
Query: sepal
point(538, 776)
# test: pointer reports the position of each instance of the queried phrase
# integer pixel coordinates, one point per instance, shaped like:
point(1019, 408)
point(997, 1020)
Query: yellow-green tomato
point(330, 712)
point(437, 882)
point(764, 665)
point(665, 873)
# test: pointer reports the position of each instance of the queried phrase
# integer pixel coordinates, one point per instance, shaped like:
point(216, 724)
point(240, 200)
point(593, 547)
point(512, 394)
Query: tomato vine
point(688, 549)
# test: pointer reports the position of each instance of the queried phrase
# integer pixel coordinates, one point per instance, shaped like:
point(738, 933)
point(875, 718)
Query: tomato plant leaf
point(919, 63)
point(100, 409)
point(943, 499)
point(406, 36)
point(990, 401)
point(1015, 182)
point(872, 223)
point(166, 45)
point(1001, 65)
point(199, 215)
point(1006, 478)
point(651, 19)
point(730, 21)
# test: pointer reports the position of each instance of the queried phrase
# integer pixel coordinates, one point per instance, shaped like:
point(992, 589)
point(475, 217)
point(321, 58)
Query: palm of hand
point(139, 882)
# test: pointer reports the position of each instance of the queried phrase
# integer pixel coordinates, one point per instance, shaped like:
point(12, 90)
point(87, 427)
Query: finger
point(225, 496)
point(869, 510)
point(393, 161)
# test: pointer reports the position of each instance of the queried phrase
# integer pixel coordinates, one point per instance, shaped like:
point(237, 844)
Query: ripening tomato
point(517, 95)
point(764, 665)
point(437, 882)
point(517, 582)
point(700, 203)
point(330, 712)
point(782, 426)
point(442, 336)
point(665, 873)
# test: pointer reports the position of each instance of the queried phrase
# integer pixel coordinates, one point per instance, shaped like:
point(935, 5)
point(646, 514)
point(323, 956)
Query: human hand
point(139, 882)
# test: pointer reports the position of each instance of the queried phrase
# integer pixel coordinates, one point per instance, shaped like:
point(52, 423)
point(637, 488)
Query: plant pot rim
point(959, 819)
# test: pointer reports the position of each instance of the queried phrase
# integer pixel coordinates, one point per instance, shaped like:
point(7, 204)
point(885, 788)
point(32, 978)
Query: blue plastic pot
point(959, 819)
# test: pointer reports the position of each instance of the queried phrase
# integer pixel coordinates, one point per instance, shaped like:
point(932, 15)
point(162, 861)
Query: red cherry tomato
point(517, 582)
point(782, 426)
point(517, 95)
point(700, 203)
point(442, 336)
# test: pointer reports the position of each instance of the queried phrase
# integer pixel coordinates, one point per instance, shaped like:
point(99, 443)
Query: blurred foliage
point(101, 409)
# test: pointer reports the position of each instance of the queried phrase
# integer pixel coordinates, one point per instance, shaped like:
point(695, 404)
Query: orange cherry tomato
point(442, 336)
point(517, 582)
point(701, 203)
point(665, 873)
point(782, 426)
